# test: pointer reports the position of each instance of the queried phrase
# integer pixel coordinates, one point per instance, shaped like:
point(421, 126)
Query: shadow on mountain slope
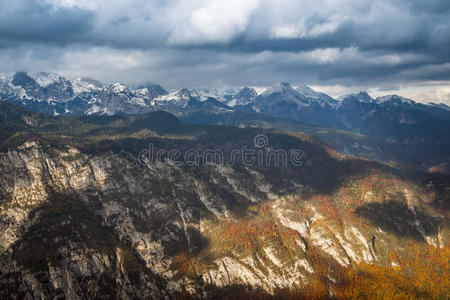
point(395, 217)
point(68, 230)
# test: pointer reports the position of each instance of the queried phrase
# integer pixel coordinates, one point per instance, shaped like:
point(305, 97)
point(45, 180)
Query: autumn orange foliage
point(424, 274)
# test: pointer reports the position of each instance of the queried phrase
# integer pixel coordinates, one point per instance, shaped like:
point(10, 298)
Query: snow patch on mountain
point(309, 95)
point(177, 96)
point(118, 88)
point(394, 99)
point(203, 94)
point(243, 97)
point(142, 92)
point(5, 78)
point(278, 88)
point(360, 97)
point(307, 91)
point(86, 85)
point(44, 79)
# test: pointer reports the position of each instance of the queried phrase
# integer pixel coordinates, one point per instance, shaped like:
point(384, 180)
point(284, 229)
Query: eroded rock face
point(78, 225)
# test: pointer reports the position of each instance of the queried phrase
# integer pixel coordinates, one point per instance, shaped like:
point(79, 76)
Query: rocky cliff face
point(106, 225)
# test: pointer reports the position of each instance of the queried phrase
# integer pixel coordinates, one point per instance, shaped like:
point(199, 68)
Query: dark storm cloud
point(25, 21)
point(231, 42)
point(433, 6)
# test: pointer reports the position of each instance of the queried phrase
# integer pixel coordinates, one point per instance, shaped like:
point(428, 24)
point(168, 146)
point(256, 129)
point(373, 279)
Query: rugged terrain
point(387, 129)
point(88, 212)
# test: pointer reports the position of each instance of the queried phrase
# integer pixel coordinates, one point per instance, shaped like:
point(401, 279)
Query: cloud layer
point(378, 44)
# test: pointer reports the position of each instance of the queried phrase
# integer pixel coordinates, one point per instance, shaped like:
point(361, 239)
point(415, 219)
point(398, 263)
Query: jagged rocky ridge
point(84, 215)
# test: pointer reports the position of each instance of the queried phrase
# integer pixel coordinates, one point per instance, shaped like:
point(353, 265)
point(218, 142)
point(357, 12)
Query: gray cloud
point(34, 21)
point(180, 43)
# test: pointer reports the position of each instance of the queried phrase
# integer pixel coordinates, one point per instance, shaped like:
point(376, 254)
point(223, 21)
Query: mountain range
point(364, 126)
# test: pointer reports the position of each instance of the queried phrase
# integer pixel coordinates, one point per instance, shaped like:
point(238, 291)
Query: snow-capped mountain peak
point(150, 91)
point(279, 88)
point(245, 96)
point(86, 85)
point(38, 87)
point(281, 92)
point(176, 96)
point(247, 92)
point(44, 79)
point(359, 97)
point(117, 88)
point(204, 94)
point(310, 96)
point(184, 94)
point(222, 95)
point(306, 90)
point(22, 79)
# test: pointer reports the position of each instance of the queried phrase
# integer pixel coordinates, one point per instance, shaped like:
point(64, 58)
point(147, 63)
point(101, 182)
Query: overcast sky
point(336, 46)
